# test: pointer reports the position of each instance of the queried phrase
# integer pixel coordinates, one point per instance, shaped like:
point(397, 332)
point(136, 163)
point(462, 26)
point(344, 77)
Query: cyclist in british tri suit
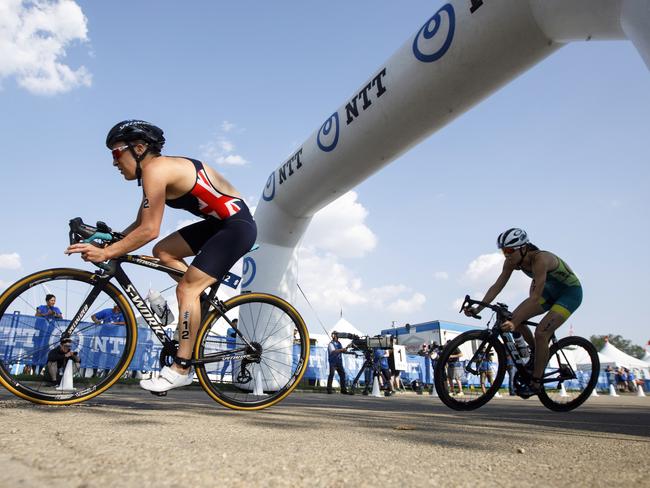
point(226, 232)
point(555, 289)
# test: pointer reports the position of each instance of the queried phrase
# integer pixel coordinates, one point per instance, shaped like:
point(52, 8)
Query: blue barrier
point(27, 341)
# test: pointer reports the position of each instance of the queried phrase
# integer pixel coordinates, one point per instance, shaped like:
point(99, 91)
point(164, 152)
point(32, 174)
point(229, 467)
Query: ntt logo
point(328, 135)
point(434, 38)
point(249, 271)
point(269, 188)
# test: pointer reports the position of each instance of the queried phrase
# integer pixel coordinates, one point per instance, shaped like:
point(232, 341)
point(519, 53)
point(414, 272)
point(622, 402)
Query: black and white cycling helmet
point(512, 238)
point(136, 130)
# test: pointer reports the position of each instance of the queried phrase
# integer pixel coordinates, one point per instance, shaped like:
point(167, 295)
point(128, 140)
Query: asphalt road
point(129, 438)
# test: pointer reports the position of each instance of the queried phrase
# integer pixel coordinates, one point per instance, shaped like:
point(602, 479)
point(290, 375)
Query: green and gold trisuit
point(562, 291)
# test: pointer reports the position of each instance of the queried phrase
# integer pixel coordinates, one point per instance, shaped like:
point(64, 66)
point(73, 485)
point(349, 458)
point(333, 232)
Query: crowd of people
point(623, 379)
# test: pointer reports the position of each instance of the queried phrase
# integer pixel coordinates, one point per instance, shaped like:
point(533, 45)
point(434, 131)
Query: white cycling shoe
point(167, 380)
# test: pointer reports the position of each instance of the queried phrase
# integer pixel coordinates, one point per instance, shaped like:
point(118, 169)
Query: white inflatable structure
point(467, 50)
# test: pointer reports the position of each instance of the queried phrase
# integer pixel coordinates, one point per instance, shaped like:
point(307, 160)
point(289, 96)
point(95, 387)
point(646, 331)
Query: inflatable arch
point(467, 50)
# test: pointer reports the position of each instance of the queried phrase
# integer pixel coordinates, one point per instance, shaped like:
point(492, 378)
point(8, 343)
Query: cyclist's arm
point(151, 212)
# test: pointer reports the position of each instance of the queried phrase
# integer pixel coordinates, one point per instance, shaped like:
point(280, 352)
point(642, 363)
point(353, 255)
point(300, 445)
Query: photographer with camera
point(334, 355)
point(58, 357)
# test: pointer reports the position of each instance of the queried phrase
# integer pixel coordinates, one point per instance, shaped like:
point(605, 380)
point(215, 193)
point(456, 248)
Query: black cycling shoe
point(529, 390)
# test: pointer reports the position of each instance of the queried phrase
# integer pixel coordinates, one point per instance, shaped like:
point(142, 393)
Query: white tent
point(344, 326)
point(583, 361)
point(622, 358)
point(646, 356)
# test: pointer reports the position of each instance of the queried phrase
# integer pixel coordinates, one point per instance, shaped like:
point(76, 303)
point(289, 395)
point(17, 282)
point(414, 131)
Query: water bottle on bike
point(522, 346)
point(159, 307)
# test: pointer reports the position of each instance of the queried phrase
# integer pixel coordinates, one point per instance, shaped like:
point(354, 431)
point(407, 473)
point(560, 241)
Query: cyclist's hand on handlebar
point(507, 326)
point(88, 252)
point(472, 311)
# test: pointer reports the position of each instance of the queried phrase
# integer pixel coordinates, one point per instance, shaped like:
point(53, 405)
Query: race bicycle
point(468, 360)
point(246, 365)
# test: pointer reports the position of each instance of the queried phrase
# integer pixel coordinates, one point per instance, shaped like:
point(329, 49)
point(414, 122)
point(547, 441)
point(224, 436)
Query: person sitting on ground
point(58, 357)
point(49, 311)
point(555, 290)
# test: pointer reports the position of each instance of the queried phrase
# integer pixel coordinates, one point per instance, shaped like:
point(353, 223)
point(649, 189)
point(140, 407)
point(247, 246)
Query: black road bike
point(480, 356)
point(257, 364)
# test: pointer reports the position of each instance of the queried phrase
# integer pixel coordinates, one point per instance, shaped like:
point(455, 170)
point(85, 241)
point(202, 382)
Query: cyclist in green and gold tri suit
point(555, 289)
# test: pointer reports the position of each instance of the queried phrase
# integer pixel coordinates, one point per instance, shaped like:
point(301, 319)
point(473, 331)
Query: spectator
point(611, 375)
point(622, 379)
point(106, 316)
point(231, 339)
point(631, 384)
point(485, 369)
point(109, 316)
point(57, 359)
point(334, 351)
point(395, 379)
point(455, 372)
point(49, 311)
point(434, 351)
point(381, 367)
point(510, 368)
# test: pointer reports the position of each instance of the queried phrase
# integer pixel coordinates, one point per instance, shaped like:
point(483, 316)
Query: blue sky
point(561, 151)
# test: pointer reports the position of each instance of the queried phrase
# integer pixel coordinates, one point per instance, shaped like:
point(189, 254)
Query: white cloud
point(339, 228)
point(10, 261)
point(483, 271)
point(227, 126)
point(484, 268)
point(408, 305)
point(339, 231)
point(34, 36)
point(327, 282)
point(221, 151)
point(441, 275)
point(3, 285)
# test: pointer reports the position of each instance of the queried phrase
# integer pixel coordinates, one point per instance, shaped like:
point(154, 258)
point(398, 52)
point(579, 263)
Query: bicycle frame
point(114, 269)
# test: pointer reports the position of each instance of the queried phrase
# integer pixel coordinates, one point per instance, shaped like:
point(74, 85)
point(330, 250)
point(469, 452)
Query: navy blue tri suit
point(227, 230)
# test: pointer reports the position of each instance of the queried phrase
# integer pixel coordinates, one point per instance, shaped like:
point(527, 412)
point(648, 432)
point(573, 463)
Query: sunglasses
point(508, 250)
point(118, 151)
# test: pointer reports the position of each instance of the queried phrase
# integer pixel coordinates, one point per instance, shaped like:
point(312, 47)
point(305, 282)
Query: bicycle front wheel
point(469, 370)
point(34, 364)
point(244, 382)
point(570, 375)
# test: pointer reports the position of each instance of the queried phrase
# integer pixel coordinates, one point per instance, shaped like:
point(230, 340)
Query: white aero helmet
point(512, 238)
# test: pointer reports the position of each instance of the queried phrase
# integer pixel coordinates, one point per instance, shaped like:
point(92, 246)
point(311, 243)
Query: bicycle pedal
point(159, 393)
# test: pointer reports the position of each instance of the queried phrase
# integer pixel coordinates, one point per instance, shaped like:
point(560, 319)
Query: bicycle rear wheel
point(570, 375)
point(27, 342)
point(273, 326)
point(469, 382)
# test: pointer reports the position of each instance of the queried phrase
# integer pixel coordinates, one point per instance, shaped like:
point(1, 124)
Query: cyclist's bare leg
point(523, 313)
point(171, 250)
point(187, 292)
point(543, 333)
